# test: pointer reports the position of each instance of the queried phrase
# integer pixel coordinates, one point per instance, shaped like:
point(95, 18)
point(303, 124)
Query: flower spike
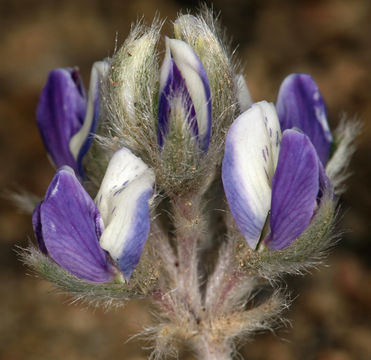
point(68, 226)
point(301, 105)
point(184, 92)
point(123, 201)
point(153, 221)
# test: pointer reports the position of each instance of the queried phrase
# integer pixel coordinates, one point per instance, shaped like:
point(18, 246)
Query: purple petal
point(71, 226)
point(37, 228)
point(136, 238)
point(60, 114)
point(123, 201)
point(300, 104)
point(295, 188)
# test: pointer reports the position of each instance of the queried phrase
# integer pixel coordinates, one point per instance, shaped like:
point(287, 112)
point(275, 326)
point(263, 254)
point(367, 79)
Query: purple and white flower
point(66, 117)
point(78, 233)
point(271, 179)
point(301, 105)
point(184, 93)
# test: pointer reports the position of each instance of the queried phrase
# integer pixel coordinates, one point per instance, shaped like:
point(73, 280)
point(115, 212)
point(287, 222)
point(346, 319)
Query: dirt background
point(331, 39)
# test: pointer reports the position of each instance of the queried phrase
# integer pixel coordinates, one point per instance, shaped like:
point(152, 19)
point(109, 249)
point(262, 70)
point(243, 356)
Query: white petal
point(125, 214)
point(98, 72)
point(166, 68)
point(248, 167)
point(273, 128)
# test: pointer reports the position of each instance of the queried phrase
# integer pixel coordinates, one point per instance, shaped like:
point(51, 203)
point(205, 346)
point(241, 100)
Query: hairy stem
point(207, 349)
point(188, 230)
point(229, 307)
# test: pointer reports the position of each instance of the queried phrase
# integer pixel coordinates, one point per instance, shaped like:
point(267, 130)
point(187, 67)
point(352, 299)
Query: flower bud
point(201, 33)
point(132, 89)
point(66, 117)
point(184, 95)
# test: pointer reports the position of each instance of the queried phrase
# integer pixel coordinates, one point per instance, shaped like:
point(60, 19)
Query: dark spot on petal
point(118, 191)
point(265, 159)
point(266, 173)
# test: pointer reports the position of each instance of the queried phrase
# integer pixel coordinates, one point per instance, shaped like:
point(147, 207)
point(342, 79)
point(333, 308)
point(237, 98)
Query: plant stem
point(189, 318)
point(188, 228)
point(213, 350)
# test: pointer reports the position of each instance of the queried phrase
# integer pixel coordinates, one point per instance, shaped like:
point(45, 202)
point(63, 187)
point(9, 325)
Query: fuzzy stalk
point(189, 226)
point(187, 317)
point(209, 349)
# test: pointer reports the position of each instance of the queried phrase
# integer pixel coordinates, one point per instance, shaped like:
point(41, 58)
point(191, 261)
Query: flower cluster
point(142, 161)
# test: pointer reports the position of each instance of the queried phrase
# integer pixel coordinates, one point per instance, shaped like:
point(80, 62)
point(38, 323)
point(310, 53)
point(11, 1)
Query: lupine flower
point(66, 117)
point(184, 94)
point(271, 180)
point(301, 105)
point(74, 231)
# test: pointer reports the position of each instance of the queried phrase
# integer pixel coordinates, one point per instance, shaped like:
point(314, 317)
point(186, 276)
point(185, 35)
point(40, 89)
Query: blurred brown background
point(331, 39)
